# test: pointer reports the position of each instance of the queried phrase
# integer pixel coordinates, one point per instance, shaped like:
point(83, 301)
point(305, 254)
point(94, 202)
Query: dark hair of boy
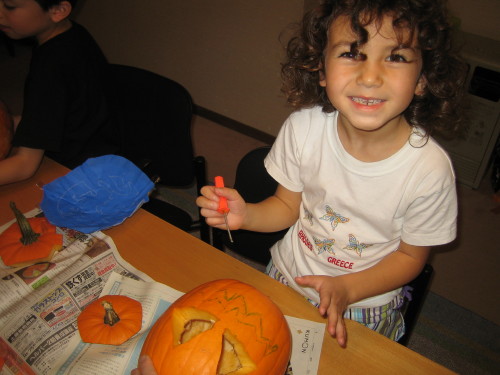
point(47, 4)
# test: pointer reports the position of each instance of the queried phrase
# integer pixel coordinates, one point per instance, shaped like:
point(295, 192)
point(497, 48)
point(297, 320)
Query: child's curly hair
point(437, 110)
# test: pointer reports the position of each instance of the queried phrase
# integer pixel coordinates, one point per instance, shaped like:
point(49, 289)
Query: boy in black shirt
point(66, 111)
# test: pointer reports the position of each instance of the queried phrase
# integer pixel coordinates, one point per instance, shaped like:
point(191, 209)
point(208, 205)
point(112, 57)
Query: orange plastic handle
point(223, 209)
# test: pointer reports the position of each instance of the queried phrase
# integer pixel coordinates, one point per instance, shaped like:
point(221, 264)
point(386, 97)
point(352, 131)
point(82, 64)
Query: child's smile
point(373, 86)
point(370, 102)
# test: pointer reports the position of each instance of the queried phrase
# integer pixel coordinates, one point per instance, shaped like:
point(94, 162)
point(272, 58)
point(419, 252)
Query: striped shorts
point(386, 319)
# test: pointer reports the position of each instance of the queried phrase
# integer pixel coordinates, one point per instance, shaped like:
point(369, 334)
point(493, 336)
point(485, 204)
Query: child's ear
point(421, 85)
point(322, 77)
point(61, 11)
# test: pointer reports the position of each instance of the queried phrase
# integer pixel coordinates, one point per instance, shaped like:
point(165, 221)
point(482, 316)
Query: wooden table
point(178, 259)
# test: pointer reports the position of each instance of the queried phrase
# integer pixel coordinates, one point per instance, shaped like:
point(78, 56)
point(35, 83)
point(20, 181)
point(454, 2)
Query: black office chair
point(418, 288)
point(255, 184)
point(153, 115)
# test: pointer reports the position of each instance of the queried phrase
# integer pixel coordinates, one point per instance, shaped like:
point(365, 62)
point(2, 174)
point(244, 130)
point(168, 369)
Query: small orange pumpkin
point(221, 327)
point(111, 320)
point(29, 241)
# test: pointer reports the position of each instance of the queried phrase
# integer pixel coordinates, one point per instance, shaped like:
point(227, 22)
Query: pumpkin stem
point(28, 235)
point(110, 315)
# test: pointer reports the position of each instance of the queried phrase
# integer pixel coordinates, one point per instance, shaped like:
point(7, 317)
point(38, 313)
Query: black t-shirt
point(66, 109)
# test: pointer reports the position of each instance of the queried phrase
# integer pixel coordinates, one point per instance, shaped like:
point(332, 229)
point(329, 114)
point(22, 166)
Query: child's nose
point(370, 74)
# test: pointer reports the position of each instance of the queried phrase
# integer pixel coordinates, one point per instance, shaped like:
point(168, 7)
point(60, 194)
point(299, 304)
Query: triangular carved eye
point(190, 322)
point(234, 359)
point(193, 328)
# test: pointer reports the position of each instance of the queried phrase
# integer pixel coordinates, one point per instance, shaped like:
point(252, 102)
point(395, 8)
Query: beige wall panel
point(227, 53)
point(478, 17)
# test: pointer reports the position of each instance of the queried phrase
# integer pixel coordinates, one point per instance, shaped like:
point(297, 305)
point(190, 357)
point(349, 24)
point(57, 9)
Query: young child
point(363, 187)
point(65, 110)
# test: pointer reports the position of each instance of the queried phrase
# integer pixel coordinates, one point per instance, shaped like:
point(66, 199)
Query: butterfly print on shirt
point(354, 245)
point(308, 216)
point(324, 245)
point(333, 217)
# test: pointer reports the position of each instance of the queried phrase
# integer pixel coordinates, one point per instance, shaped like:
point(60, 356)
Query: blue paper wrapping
point(100, 193)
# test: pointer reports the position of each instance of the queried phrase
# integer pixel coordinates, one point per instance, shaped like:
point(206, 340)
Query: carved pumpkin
point(221, 327)
point(28, 241)
point(111, 320)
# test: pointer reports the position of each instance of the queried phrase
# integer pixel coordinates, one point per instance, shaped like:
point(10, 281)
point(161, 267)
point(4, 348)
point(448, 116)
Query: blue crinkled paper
point(100, 193)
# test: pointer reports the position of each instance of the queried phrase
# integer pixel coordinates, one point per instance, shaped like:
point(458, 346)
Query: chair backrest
point(252, 180)
point(254, 184)
point(418, 289)
point(153, 115)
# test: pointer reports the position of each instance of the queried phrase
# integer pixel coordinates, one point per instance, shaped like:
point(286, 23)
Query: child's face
point(372, 89)
point(24, 18)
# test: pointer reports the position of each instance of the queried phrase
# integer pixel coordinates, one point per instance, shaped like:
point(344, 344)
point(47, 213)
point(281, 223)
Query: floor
point(466, 271)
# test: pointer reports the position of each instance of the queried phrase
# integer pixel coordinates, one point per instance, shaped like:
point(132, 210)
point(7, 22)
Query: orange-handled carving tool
point(223, 208)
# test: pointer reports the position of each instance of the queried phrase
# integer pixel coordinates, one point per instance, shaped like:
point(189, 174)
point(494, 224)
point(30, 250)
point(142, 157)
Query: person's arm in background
point(6, 131)
point(21, 164)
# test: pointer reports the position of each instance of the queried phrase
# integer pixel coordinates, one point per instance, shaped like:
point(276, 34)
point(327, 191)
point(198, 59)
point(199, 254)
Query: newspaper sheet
point(40, 304)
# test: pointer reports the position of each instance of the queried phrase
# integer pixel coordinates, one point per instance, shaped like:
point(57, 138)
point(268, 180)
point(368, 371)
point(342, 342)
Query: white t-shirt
point(354, 213)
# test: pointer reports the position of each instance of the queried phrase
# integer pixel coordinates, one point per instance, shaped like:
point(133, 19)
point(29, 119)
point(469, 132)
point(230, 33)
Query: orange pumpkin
point(110, 320)
point(220, 327)
point(29, 241)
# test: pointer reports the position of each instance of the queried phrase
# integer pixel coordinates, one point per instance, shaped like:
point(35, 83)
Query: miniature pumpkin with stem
point(28, 240)
point(110, 320)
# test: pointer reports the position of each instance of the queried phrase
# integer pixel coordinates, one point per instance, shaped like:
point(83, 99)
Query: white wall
point(225, 52)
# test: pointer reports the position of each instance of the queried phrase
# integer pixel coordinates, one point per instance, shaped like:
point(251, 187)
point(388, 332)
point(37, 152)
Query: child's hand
point(145, 367)
point(209, 203)
point(333, 302)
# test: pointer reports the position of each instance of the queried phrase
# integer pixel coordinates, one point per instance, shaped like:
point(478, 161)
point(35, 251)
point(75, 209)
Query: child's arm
point(336, 293)
point(277, 212)
point(21, 164)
